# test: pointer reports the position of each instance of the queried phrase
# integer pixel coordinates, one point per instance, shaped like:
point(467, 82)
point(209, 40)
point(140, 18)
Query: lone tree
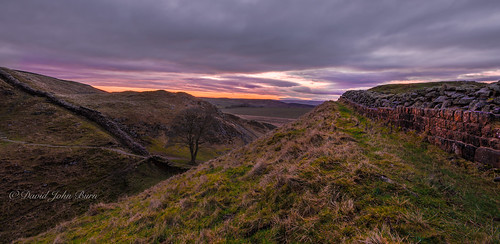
point(193, 126)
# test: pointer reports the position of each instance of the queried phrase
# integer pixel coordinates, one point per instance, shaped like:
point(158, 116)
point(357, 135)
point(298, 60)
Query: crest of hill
point(332, 176)
point(404, 88)
point(54, 85)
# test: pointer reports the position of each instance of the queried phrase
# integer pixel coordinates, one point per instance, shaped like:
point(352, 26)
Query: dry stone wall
point(474, 135)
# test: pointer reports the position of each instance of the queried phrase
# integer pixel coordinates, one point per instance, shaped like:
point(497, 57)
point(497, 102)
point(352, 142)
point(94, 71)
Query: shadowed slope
point(45, 148)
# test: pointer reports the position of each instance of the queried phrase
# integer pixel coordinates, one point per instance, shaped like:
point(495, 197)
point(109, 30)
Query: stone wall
point(474, 135)
point(472, 96)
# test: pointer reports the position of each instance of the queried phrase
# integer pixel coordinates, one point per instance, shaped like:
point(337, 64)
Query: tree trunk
point(193, 153)
point(193, 156)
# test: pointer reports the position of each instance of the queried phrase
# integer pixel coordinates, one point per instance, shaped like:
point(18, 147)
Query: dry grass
point(321, 179)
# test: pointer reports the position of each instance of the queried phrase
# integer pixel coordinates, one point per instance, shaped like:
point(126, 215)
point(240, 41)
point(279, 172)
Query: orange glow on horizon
point(194, 93)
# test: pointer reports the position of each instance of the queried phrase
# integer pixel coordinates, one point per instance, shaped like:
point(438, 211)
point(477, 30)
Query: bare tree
point(192, 126)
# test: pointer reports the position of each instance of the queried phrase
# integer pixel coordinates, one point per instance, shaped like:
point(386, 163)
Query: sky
point(278, 49)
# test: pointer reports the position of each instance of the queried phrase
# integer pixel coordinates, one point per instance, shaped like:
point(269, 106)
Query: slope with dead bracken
point(47, 145)
point(331, 176)
point(46, 148)
point(147, 116)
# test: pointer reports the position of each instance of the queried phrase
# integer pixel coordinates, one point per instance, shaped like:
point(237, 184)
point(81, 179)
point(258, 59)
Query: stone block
point(494, 143)
point(473, 129)
point(475, 140)
point(458, 147)
point(484, 118)
point(496, 133)
point(474, 117)
point(485, 142)
point(488, 156)
point(449, 114)
point(466, 116)
point(486, 131)
point(458, 115)
point(469, 152)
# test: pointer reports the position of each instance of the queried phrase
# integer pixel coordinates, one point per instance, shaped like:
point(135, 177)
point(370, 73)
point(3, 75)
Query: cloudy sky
point(308, 49)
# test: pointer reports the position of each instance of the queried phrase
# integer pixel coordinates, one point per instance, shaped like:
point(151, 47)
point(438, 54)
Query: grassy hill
point(147, 116)
point(331, 176)
point(44, 147)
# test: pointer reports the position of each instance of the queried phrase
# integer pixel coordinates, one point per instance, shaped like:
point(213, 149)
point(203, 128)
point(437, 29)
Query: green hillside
point(331, 176)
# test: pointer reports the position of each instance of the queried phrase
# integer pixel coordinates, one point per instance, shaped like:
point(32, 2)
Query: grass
point(35, 164)
point(404, 88)
point(332, 176)
point(57, 149)
point(180, 155)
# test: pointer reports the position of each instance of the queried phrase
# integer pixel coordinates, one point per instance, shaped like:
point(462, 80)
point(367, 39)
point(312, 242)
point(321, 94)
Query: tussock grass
point(332, 176)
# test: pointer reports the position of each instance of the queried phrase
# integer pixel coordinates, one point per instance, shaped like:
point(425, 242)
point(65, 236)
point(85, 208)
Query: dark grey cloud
point(381, 40)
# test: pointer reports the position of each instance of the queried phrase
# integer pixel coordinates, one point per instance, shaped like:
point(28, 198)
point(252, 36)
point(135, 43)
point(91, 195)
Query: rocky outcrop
point(474, 135)
point(109, 125)
point(472, 97)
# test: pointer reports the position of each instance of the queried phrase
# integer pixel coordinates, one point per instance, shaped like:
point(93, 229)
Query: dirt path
point(71, 146)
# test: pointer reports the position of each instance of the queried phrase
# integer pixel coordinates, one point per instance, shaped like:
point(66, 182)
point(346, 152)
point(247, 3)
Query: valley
point(342, 171)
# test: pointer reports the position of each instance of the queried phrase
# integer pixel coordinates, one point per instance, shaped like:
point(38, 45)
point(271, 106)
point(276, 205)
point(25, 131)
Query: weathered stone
point(478, 105)
point(458, 148)
point(458, 116)
point(469, 152)
point(484, 118)
point(431, 94)
point(494, 143)
point(486, 131)
point(474, 117)
point(446, 104)
point(488, 156)
point(495, 86)
point(483, 93)
point(464, 100)
point(496, 100)
point(485, 142)
point(440, 99)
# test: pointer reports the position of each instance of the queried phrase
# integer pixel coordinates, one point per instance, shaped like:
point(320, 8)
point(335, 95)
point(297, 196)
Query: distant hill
point(256, 103)
point(264, 110)
point(307, 102)
point(332, 176)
